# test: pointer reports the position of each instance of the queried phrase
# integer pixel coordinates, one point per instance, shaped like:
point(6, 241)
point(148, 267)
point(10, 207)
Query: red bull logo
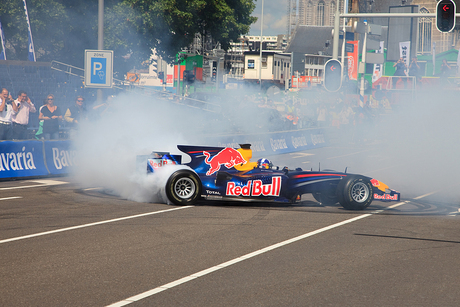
point(255, 188)
point(157, 163)
point(386, 197)
point(228, 157)
point(379, 185)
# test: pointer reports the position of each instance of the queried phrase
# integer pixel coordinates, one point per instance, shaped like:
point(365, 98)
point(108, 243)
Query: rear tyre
point(183, 188)
point(355, 192)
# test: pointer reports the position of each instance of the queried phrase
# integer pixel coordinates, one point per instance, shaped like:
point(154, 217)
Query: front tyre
point(355, 192)
point(183, 188)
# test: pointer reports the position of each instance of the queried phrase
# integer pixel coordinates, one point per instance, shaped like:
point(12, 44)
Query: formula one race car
point(218, 173)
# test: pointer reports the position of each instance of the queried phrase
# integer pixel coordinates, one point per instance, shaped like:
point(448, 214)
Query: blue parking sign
point(98, 70)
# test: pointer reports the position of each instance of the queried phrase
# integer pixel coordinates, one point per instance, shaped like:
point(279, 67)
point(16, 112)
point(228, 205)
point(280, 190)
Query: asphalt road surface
point(63, 244)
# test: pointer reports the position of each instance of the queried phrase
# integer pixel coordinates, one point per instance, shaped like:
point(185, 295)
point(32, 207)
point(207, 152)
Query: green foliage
point(63, 29)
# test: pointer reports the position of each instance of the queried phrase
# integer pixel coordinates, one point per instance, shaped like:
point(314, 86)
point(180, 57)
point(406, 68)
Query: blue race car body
point(223, 173)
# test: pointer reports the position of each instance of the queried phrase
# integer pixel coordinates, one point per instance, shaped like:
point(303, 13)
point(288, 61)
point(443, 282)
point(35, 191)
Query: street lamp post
point(260, 48)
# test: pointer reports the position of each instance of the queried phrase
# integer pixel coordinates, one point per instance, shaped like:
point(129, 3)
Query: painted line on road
point(42, 183)
point(12, 197)
point(90, 224)
point(183, 280)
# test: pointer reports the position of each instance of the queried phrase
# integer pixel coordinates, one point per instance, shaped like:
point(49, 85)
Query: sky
point(275, 17)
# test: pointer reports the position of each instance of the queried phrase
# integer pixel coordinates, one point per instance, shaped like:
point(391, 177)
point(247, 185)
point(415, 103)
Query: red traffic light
point(445, 15)
point(332, 75)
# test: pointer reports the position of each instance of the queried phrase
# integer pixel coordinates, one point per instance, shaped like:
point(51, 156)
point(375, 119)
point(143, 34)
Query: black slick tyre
point(355, 192)
point(183, 188)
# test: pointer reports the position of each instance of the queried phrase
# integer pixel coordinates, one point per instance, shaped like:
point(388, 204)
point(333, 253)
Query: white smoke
point(132, 125)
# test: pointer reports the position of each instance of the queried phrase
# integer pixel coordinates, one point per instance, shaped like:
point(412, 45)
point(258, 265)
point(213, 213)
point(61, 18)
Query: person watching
point(8, 108)
point(21, 118)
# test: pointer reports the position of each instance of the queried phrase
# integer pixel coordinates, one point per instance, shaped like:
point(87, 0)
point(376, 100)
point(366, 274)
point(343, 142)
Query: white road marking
point(13, 197)
point(90, 225)
point(183, 280)
point(42, 183)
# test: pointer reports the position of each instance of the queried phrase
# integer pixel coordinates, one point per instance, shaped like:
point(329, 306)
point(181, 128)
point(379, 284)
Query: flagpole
point(2, 38)
point(31, 42)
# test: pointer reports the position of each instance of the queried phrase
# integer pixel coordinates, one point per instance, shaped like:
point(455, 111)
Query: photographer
point(21, 119)
point(400, 71)
point(8, 108)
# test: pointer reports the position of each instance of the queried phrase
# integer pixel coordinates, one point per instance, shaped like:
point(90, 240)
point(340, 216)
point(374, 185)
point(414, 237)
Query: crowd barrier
point(35, 158)
point(275, 142)
point(19, 159)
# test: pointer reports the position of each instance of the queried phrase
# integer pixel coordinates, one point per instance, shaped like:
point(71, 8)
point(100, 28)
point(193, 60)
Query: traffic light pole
point(363, 63)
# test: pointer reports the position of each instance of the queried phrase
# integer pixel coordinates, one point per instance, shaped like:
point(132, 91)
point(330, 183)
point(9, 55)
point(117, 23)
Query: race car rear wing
point(156, 160)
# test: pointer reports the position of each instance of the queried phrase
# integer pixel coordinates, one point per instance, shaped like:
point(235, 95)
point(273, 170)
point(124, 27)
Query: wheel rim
point(360, 192)
point(184, 188)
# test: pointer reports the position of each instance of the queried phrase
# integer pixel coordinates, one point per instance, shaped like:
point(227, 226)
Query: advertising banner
point(275, 143)
point(404, 52)
point(59, 157)
point(353, 61)
point(22, 159)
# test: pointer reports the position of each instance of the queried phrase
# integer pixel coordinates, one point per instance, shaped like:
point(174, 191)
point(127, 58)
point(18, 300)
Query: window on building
point(264, 62)
point(251, 64)
point(309, 13)
point(332, 13)
point(320, 14)
point(424, 33)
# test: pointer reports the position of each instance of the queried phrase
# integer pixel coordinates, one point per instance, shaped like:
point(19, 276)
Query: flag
point(353, 61)
point(31, 42)
point(2, 38)
point(404, 52)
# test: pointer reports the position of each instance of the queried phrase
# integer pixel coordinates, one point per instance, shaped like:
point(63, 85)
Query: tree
point(63, 29)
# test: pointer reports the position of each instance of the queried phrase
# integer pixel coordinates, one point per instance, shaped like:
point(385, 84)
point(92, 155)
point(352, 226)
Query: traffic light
point(332, 75)
point(161, 75)
point(445, 15)
point(189, 76)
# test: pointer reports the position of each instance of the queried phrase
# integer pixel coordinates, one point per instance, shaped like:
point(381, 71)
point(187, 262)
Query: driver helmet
point(264, 163)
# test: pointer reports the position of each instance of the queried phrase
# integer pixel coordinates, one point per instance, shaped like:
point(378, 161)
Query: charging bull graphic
point(227, 156)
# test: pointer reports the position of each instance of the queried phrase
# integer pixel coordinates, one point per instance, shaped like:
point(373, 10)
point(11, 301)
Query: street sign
point(98, 68)
point(349, 47)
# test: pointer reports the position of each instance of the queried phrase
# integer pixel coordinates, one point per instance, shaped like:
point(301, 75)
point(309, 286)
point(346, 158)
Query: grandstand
point(39, 79)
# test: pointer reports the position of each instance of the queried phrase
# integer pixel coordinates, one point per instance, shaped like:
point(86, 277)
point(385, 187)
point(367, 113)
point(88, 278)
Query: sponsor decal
point(16, 161)
point(228, 157)
point(63, 158)
point(255, 188)
point(299, 141)
point(385, 196)
point(278, 144)
point(317, 139)
point(157, 163)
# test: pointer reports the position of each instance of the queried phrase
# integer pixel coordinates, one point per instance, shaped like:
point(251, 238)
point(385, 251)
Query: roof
point(311, 40)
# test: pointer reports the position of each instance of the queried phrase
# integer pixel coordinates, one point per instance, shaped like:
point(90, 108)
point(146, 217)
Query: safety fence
point(22, 159)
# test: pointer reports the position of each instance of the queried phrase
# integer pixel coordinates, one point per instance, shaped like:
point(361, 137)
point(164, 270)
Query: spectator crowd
point(54, 122)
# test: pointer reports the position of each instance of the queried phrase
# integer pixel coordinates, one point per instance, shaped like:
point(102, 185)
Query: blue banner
point(59, 156)
point(31, 56)
point(2, 38)
point(276, 142)
point(22, 159)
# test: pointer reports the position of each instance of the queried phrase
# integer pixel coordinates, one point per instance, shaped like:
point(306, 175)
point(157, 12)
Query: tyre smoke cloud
point(415, 148)
point(132, 125)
